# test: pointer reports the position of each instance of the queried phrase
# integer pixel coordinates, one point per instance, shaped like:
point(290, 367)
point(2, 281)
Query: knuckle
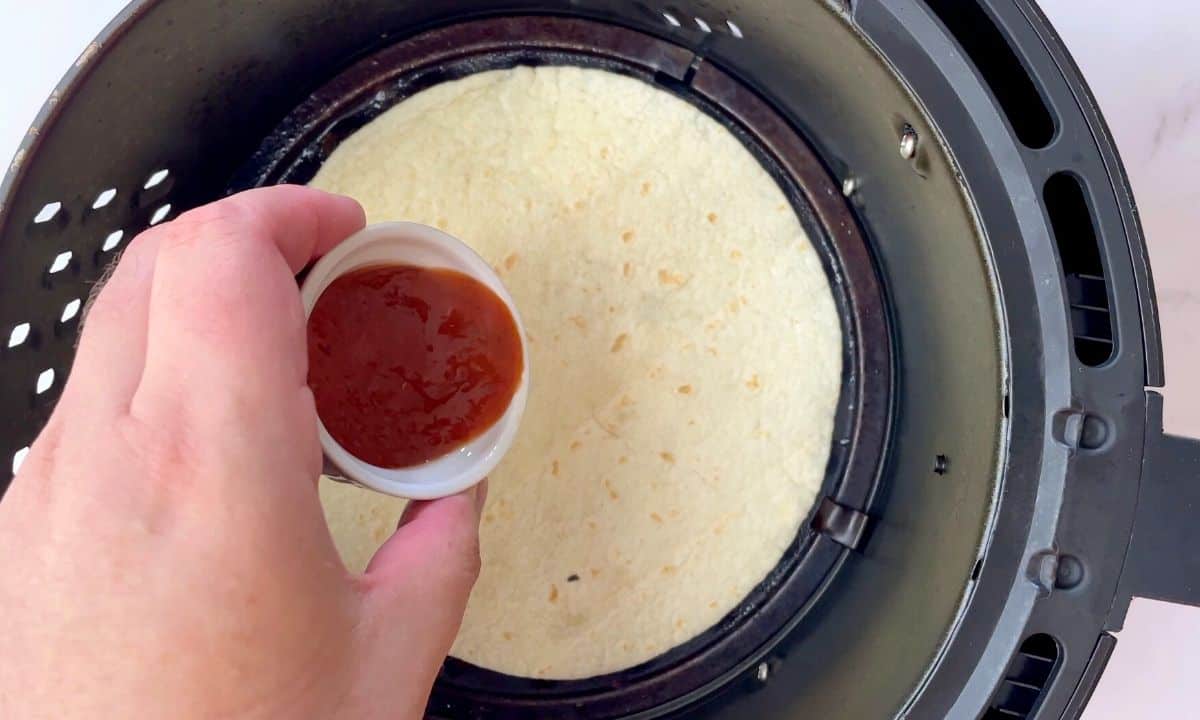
point(228, 217)
point(156, 448)
point(228, 230)
point(470, 559)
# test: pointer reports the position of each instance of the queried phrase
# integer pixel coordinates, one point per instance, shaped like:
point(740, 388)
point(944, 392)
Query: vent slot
point(984, 43)
point(1083, 269)
point(1029, 676)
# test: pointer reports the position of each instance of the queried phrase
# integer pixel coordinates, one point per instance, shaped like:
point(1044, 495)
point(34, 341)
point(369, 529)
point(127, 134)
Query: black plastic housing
point(1027, 492)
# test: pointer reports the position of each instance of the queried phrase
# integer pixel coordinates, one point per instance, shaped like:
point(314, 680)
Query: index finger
point(224, 310)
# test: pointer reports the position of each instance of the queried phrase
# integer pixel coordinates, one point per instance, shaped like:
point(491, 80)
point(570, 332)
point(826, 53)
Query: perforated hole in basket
point(104, 198)
point(156, 178)
point(112, 240)
point(70, 310)
point(18, 335)
point(18, 459)
point(160, 214)
point(679, 20)
point(45, 381)
point(61, 261)
point(48, 212)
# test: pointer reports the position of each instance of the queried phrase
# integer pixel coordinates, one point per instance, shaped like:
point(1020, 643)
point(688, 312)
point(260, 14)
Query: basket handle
point(1163, 561)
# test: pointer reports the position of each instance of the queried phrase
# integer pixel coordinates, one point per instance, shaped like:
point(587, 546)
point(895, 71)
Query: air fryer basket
point(1027, 489)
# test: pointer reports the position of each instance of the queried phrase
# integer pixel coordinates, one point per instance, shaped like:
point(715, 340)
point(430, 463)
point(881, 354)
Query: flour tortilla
point(685, 353)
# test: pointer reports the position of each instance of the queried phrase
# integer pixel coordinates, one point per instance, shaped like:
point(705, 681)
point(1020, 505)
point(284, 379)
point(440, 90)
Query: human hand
point(163, 552)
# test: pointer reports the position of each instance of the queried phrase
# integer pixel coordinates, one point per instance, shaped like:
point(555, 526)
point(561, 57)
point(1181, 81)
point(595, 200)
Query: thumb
point(419, 581)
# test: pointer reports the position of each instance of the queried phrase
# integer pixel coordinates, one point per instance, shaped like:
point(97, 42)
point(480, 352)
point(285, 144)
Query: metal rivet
point(849, 186)
point(762, 672)
point(908, 143)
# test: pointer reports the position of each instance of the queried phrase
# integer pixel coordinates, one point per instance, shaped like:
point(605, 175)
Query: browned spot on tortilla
point(626, 401)
point(528, 203)
point(604, 153)
point(611, 493)
point(666, 277)
point(575, 444)
point(735, 307)
point(612, 309)
point(594, 572)
point(554, 468)
point(579, 204)
point(622, 460)
point(685, 389)
point(679, 623)
point(656, 517)
point(627, 236)
point(753, 382)
point(591, 524)
point(712, 218)
point(669, 569)
point(628, 269)
point(506, 635)
point(620, 342)
point(667, 457)
point(711, 350)
point(735, 255)
point(442, 223)
point(579, 321)
point(646, 188)
point(488, 517)
point(718, 529)
point(510, 262)
point(712, 604)
point(553, 593)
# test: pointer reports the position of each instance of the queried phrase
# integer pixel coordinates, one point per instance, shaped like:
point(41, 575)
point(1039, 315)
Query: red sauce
point(408, 364)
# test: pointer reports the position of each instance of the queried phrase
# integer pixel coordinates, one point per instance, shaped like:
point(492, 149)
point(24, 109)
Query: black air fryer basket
point(1000, 485)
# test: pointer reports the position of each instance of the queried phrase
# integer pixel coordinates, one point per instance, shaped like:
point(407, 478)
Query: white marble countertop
point(1142, 61)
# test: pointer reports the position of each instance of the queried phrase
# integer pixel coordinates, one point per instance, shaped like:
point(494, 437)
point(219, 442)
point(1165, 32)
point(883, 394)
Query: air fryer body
point(1024, 489)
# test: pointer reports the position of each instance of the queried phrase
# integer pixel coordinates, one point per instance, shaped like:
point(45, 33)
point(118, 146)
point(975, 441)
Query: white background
point(1142, 61)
